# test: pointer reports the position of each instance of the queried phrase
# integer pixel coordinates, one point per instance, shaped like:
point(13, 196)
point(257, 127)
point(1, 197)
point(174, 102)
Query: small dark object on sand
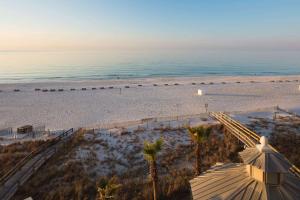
point(60, 90)
point(238, 82)
point(166, 84)
point(45, 90)
point(272, 81)
point(176, 84)
point(72, 89)
point(37, 89)
point(127, 86)
point(193, 83)
point(83, 88)
point(52, 90)
point(154, 84)
point(111, 87)
point(16, 90)
point(223, 82)
point(25, 129)
point(94, 88)
point(140, 85)
point(102, 88)
point(211, 83)
point(202, 83)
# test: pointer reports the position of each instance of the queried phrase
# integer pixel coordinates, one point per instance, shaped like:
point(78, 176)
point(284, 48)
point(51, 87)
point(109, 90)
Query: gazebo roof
point(232, 181)
point(266, 161)
point(263, 175)
point(265, 158)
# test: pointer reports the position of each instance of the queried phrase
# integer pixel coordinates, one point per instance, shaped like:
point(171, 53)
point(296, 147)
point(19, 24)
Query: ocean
point(38, 66)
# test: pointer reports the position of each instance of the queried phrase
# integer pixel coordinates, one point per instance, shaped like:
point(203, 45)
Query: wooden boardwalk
point(242, 133)
point(23, 170)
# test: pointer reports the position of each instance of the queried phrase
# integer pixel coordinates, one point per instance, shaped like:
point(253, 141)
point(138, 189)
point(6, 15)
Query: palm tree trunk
point(153, 172)
point(198, 159)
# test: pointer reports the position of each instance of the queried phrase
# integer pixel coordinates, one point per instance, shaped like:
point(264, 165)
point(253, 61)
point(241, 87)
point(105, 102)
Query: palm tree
point(107, 188)
point(199, 135)
point(150, 152)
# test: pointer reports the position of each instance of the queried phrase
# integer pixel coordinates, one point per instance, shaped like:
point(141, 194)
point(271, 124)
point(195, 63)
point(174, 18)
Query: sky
point(41, 25)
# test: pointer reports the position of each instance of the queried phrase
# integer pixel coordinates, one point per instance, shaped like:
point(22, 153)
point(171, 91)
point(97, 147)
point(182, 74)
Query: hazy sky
point(149, 24)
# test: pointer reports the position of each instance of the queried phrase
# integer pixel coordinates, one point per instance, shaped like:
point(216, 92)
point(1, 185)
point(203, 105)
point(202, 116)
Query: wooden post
point(206, 107)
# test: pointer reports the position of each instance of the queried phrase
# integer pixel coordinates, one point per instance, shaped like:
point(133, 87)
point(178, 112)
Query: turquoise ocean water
point(97, 65)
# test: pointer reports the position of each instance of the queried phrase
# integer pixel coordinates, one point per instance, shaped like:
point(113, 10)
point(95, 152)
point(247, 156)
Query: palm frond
point(192, 133)
point(200, 134)
point(107, 187)
point(151, 149)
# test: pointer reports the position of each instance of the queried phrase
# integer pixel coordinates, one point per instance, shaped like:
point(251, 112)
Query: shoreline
point(119, 78)
point(216, 78)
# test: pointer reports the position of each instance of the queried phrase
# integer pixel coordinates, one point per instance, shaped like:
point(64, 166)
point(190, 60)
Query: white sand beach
point(93, 107)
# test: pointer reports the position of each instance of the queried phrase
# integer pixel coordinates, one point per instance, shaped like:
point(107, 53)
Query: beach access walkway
point(23, 170)
point(245, 135)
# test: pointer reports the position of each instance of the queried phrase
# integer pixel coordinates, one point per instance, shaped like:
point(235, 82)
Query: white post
point(200, 92)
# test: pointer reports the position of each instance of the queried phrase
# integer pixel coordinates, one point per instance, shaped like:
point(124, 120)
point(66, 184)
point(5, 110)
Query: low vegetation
point(10, 155)
point(289, 145)
point(171, 162)
point(67, 178)
point(284, 134)
point(107, 188)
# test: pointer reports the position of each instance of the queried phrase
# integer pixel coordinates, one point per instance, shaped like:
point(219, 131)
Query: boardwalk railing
point(245, 135)
point(15, 177)
point(288, 112)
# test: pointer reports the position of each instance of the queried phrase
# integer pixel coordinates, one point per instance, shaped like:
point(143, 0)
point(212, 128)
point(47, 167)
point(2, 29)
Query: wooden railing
point(8, 187)
point(245, 135)
point(241, 132)
point(288, 112)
